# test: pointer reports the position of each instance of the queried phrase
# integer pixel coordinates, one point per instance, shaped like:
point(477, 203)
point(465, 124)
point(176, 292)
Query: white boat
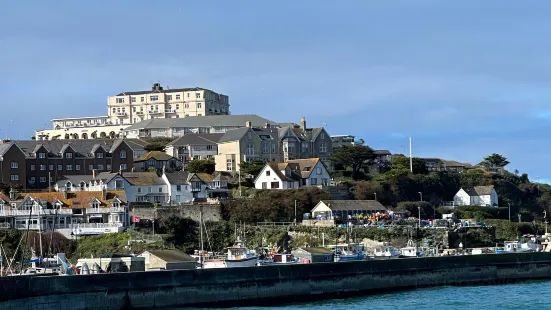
point(279, 258)
point(411, 250)
point(386, 251)
point(236, 256)
point(345, 252)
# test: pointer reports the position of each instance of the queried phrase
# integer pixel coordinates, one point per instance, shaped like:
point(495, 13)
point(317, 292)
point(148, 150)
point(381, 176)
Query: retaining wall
point(239, 286)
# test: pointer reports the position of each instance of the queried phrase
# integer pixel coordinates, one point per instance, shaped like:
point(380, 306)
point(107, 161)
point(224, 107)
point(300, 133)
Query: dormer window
point(82, 185)
point(68, 186)
point(95, 204)
point(68, 155)
point(58, 204)
point(41, 155)
point(116, 203)
point(99, 155)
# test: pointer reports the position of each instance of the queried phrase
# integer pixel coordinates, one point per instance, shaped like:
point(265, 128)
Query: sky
point(464, 79)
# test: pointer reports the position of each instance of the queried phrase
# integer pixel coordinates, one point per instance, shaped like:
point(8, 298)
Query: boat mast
point(201, 224)
point(40, 232)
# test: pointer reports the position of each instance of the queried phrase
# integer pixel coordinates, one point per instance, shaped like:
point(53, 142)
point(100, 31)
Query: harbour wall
point(257, 285)
point(211, 212)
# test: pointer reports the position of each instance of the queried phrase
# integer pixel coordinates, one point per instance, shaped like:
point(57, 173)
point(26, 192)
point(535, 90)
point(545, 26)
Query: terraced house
point(70, 213)
point(38, 164)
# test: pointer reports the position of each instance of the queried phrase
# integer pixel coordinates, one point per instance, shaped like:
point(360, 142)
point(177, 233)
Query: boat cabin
point(238, 251)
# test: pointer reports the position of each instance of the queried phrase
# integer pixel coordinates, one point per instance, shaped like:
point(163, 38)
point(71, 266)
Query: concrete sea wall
point(240, 286)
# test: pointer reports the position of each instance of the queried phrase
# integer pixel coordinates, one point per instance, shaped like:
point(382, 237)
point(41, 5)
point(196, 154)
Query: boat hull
point(249, 262)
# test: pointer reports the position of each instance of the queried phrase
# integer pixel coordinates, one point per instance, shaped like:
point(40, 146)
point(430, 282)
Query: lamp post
point(421, 195)
point(419, 208)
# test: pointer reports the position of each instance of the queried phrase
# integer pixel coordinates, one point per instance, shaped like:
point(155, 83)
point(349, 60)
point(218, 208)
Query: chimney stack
point(164, 169)
point(65, 194)
point(120, 169)
point(104, 194)
point(93, 174)
point(267, 125)
point(13, 194)
point(248, 124)
point(303, 123)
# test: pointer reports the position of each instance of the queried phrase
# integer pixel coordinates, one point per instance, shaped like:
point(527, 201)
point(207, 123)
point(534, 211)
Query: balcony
point(154, 112)
point(121, 114)
point(35, 212)
point(139, 113)
point(170, 111)
point(105, 210)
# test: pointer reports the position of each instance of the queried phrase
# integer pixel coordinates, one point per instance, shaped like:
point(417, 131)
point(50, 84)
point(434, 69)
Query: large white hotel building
point(128, 108)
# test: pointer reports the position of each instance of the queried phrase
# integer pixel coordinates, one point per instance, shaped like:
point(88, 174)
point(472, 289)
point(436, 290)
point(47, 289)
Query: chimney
point(13, 194)
point(156, 87)
point(164, 169)
point(267, 125)
point(248, 124)
point(94, 174)
point(103, 194)
point(120, 169)
point(65, 194)
point(133, 169)
point(303, 123)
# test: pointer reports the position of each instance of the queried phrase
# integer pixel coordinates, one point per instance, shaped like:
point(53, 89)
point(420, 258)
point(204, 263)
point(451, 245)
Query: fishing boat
point(237, 255)
point(278, 258)
point(345, 252)
point(411, 250)
point(386, 251)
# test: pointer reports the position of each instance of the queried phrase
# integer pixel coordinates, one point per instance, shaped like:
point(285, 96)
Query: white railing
point(121, 113)
point(35, 213)
point(170, 111)
point(65, 226)
point(105, 210)
point(5, 225)
point(96, 225)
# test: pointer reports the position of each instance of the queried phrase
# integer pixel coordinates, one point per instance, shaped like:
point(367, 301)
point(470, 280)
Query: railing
point(67, 226)
point(35, 213)
point(96, 225)
point(170, 111)
point(139, 112)
point(154, 112)
point(5, 225)
point(275, 223)
point(121, 113)
point(105, 210)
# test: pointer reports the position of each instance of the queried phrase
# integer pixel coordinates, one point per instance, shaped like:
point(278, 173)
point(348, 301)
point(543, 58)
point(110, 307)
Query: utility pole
point(295, 212)
point(419, 208)
point(509, 211)
point(410, 158)
point(421, 194)
point(545, 218)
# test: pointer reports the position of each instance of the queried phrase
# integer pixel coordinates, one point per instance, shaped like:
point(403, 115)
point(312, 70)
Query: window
point(120, 100)
point(323, 147)
point(322, 135)
point(209, 147)
point(249, 135)
point(274, 185)
point(99, 155)
point(318, 170)
point(33, 167)
point(198, 95)
point(264, 185)
point(123, 166)
point(42, 167)
point(324, 182)
point(273, 148)
point(14, 165)
point(169, 97)
point(139, 190)
point(69, 167)
point(51, 179)
point(59, 167)
point(68, 155)
point(116, 204)
point(268, 173)
point(149, 190)
point(198, 105)
point(160, 189)
point(51, 167)
point(133, 99)
point(41, 155)
point(177, 97)
point(186, 106)
point(178, 188)
point(266, 148)
point(154, 98)
point(119, 184)
point(177, 198)
point(304, 147)
point(229, 165)
point(14, 177)
point(42, 179)
point(108, 167)
point(77, 167)
point(32, 180)
point(100, 167)
point(95, 204)
point(90, 167)
point(188, 95)
point(142, 99)
point(313, 181)
point(123, 154)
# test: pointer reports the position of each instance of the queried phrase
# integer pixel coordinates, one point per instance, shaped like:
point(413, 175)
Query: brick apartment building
point(35, 164)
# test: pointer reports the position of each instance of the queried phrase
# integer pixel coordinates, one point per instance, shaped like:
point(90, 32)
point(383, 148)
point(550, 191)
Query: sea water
point(525, 296)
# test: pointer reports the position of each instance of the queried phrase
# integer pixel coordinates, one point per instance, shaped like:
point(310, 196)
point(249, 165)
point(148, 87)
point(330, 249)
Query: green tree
point(493, 161)
point(402, 163)
point(252, 167)
point(155, 147)
point(201, 166)
point(354, 157)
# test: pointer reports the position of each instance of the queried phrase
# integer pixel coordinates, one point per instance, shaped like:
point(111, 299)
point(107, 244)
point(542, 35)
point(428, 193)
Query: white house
point(293, 174)
point(476, 196)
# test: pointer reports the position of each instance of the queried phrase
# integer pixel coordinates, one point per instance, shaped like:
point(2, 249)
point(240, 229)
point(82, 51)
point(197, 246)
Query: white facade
point(318, 176)
point(178, 193)
point(270, 178)
point(462, 198)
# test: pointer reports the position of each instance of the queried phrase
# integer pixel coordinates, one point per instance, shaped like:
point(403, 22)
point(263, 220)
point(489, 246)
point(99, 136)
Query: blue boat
point(346, 252)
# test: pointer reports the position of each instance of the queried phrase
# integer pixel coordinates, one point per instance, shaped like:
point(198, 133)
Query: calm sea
point(526, 296)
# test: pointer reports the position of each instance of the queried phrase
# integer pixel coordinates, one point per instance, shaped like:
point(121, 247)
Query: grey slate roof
point(177, 177)
point(234, 135)
point(197, 139)
point(202, 121)
point(4, 147)
point(173, 90)
point(76, 179)
point(83, 147)
point(479, 190)
point(354, 205)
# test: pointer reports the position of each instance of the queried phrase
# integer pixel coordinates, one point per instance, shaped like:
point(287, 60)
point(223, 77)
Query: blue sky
point(463, 78)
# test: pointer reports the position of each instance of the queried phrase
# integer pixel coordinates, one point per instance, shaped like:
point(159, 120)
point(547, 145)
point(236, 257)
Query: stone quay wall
point(256, 285)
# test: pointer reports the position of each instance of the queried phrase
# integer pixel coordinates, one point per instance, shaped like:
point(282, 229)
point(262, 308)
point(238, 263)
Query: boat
point(236, 255)
point(410, 250)
point(278, 258)
point(386, 251)
point(348, 252)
